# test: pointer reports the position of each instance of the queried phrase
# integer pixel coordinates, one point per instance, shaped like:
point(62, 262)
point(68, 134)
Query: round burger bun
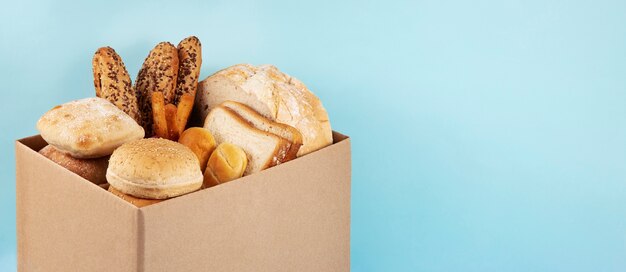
point(154, 169)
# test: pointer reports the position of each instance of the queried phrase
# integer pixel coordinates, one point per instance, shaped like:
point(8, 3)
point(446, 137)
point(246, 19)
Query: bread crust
point(158, 73)
point(227, 162)
point(256, 119)
point(112, 82)
point(93, 170)
point(281, 149)
point(189, 60)
point(88, 128)
point(201, 142)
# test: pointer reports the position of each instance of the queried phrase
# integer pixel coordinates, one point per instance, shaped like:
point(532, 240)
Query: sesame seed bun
point(154, 169)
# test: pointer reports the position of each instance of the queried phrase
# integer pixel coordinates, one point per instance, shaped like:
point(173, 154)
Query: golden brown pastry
point(139, 202)
point(93, 170)
point(158, 73)
point(201, 142)
point(228, 162)
point(112, 82)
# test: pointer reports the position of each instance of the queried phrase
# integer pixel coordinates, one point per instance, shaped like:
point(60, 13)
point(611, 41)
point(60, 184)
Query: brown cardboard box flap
point(60, 212)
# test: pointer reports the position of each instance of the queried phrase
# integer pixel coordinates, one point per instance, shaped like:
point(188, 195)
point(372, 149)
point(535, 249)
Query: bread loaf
point(158, 73)
point(112, 82)
point(271, 93)
point(190, 60)
point(93, 170)
point(88, 128)
point(285, 131)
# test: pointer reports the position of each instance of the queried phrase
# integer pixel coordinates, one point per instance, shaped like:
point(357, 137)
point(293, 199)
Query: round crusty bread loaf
point(154, 169)
point(93, 170)
point(273, 94)
point(88, 128)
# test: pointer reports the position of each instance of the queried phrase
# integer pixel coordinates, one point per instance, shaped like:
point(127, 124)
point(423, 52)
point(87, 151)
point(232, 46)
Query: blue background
point(487, 135)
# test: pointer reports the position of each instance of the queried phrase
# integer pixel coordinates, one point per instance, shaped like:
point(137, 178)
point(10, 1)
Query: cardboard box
point(292, 217)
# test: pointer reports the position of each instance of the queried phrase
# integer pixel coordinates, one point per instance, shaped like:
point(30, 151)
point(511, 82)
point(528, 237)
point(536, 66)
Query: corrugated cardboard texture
point(66, 223)
point(293, 217)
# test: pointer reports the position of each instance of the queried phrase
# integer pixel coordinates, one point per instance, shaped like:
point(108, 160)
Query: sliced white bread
point(287, 132)
point(262, 148)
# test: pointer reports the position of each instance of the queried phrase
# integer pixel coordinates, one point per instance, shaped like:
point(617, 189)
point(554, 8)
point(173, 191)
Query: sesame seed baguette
point(158, 73)
point(113, 83)
point(190, 60)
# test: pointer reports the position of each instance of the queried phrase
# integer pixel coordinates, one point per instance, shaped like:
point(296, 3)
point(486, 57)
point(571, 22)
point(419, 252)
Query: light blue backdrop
point(487, 135)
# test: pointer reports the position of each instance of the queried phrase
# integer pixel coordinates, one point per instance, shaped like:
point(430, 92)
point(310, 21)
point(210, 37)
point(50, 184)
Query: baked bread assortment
point(162, 98)
point(275, 95)
point(134, 140)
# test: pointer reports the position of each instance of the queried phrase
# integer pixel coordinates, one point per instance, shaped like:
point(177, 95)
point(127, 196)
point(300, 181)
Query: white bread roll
point(88, 128)
point(273, 94)
point(154, 169)
point(227, 162)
